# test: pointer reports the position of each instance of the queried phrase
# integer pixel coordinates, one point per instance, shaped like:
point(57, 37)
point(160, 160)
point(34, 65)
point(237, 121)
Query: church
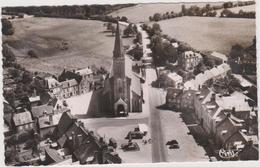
point(122, 93)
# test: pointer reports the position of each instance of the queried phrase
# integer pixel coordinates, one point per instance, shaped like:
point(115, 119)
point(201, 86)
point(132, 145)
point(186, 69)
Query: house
point(70, 88)
point(250, 152)
point(55, 157)
point(189, 60)
point(218, 57)
point(70, 83)
point(48, 123)
point(226, 128)
point(174, 80)
point(87, 80)
point(34, 100)
point(40, 111)
point(54, 86)
point(122, 93)
point(240, 139)
point(237, 103)
point(212, 74)
point(23, 121)
point(173, 98)
point(82, 143)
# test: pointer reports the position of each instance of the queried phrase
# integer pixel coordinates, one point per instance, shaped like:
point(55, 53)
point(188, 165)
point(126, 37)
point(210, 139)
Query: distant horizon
point(20, 3)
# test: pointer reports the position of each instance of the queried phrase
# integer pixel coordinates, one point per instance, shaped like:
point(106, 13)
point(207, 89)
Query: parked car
point(173, 144)
point(131, 146)
point(134, 135)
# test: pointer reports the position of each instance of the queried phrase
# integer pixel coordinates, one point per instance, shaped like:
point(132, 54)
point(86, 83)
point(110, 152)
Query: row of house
point(227, 120)
point(70, 83)
point(78, 145)
point(212, 74)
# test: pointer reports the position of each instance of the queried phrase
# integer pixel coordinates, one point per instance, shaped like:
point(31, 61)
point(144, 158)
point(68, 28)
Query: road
point(159, 152)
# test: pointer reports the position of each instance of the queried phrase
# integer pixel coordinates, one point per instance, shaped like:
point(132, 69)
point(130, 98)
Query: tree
point(113, 29)
point(124, 19)
point(150, 18)
point(228, 5)
point(236, 51)
point(226, 13)
point(7, 27)
point(8, 56)
point(136, 52)
point(32, 54)
point(157, 17)
point(129, 30)
point(183, 10)
point(156, 29)
point(109, 26)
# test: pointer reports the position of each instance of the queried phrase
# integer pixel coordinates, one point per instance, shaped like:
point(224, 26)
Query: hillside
point(87, 43)
point(141, 12)
point(212, 34)
point(249, 8)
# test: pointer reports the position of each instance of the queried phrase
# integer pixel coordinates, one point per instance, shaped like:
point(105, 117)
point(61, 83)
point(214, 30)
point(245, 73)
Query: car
point(173, 144)
point(134, 135)
point(130, 146)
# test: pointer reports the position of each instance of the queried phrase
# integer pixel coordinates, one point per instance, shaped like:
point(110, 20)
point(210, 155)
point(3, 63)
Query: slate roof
point(53, 154)
point(22, 118)
point(84, 71)
point(39, 111)
point(201, 78)
point(69, 83)
point(236, 100)
point(69, 75)
point(52, 82)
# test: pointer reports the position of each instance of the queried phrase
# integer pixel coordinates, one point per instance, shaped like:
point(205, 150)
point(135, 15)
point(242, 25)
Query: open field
point(141, 12)
point(88, 44)
point(211, 34)
point(249, 8)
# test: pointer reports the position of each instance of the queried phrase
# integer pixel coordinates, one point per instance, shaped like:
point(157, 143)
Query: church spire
point(118, 47)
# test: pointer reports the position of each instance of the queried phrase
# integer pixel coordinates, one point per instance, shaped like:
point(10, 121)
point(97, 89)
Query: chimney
point(250, 142)
point(34, 93)
point(73, 139)
point(228, 114)
point(51, 119)
point(233, 111)
point(213, 97)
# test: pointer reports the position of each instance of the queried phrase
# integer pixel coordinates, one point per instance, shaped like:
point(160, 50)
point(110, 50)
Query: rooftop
point(219, 55)
point(42, 110)
point(236, 100)
point(22, 118)
point(174, 76)
point(84, 71)
point(201, 78)
point(69, 83)
point(52, 82)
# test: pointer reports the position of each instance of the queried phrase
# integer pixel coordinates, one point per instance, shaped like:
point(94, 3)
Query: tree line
point(240, 14)
point(75, 11)
point(207, 11)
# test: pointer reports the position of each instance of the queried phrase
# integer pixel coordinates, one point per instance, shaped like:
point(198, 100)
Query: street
point(158, 149)
point(168, 125)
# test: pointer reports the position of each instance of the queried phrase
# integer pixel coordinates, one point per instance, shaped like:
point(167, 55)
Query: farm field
point(141, 12)
point(87, 43)
point(249, 8)
point(210, 34)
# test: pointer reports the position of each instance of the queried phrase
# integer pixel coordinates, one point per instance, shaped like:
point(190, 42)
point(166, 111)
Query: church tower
point(121, 86)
